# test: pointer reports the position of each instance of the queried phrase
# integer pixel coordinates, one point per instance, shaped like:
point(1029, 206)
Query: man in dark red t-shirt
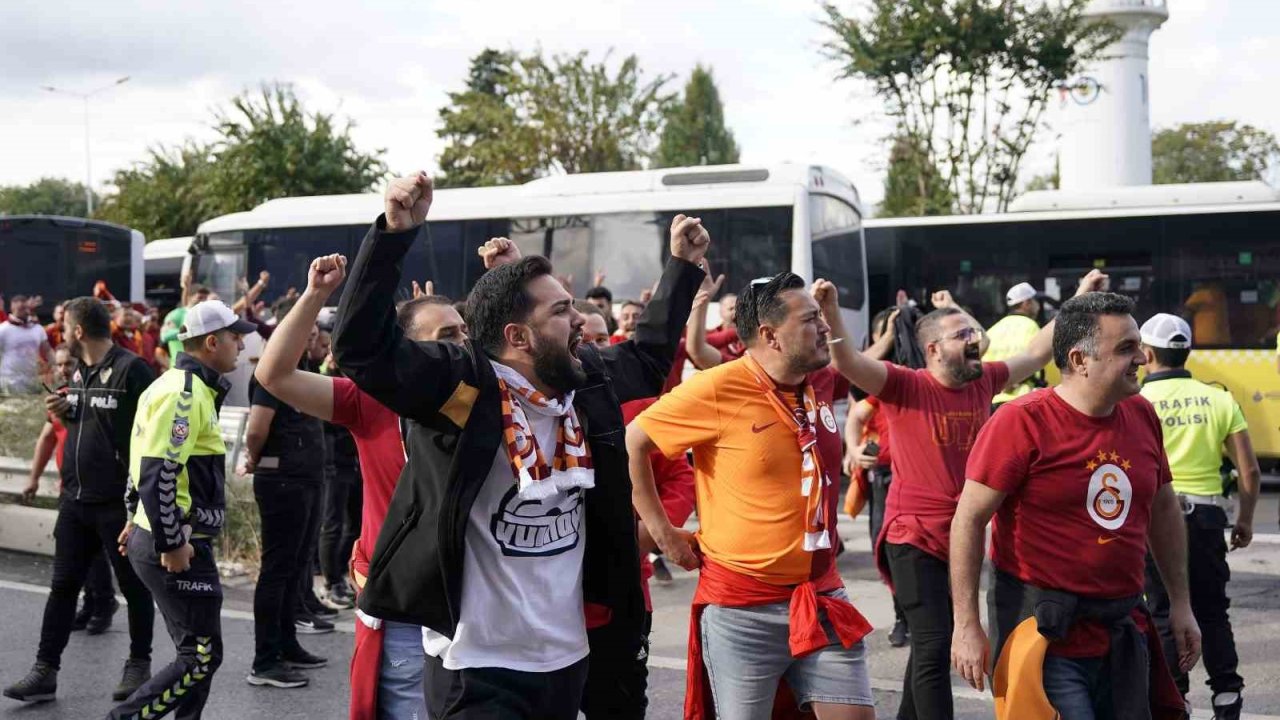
point(1078, 482)
point(387, 665)
point(935, 413)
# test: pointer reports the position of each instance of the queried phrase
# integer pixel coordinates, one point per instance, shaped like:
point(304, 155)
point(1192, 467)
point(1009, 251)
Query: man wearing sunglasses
point(935, 413)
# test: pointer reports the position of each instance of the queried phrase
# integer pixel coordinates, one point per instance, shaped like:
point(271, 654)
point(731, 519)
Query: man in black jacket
point(515, 453)
point(97, 410)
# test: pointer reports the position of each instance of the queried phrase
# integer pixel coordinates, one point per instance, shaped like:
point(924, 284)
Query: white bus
point(763, 220)
point(166, 259)
point(1209, 252)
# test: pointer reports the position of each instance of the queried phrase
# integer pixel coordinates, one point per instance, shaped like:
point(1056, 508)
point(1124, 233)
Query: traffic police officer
point(177, 474)
point(1012, 334)
point(1198, 421)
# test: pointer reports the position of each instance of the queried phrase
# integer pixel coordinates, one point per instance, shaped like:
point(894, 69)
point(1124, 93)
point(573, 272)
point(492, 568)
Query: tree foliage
point(694, 132)
point(268, 146)
point(46, 196)
point(967, 80)
point(522, 117)
point(1215, 151)
point(912, 186)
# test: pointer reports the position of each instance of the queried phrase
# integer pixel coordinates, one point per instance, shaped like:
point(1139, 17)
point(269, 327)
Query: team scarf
point(814, 481)
point(570, 467)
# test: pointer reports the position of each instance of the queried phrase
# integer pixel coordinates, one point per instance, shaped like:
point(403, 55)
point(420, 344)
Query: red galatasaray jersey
point(1080, 495)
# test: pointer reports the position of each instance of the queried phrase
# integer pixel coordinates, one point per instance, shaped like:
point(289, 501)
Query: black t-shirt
point(295, 443)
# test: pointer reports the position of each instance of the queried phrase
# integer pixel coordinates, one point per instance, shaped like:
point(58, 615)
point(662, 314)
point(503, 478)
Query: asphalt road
point(91, 665)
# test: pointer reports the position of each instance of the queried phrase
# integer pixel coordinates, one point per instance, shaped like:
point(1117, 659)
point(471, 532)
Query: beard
point(75, 348)
point(803, 364)
point(556, 366)
point(961, 371)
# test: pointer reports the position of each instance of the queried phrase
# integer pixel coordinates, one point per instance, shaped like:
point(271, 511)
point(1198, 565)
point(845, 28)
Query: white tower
point(1105, 114)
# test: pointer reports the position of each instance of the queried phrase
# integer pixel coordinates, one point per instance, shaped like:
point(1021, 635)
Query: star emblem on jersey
point(1110, 491)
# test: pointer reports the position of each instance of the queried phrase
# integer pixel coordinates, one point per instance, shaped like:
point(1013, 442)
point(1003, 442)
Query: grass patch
point(241, 538)
point(21, 417)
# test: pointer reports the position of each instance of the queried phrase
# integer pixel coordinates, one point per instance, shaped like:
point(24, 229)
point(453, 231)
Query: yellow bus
point(1208, 252)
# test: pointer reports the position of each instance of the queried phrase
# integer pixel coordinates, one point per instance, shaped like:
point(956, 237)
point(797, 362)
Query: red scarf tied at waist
point(718, 585)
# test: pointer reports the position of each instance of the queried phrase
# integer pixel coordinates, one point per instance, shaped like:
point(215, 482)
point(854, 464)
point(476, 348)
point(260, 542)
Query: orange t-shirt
point(746, 471)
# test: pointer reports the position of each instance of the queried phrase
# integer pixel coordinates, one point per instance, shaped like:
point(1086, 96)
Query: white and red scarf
point(570, 466)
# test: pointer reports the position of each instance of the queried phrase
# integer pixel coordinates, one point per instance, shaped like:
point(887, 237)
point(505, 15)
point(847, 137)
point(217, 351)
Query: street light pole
point(88, 162)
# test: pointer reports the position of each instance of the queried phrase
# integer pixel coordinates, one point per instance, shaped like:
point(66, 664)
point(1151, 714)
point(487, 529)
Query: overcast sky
point(387, 64)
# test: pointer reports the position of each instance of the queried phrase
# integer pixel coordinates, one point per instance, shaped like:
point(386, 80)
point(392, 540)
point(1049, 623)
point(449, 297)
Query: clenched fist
point(326, 273)
point(407, 201)
point(498, 251)
point(689, 240)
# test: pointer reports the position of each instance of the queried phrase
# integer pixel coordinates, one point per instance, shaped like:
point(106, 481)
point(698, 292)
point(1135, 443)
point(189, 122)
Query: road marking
point(657, 661)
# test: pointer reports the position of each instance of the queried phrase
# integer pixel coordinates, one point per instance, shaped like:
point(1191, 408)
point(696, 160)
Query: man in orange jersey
point(770, 606)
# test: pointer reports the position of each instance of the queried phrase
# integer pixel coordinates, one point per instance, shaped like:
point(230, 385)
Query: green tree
point(165, 195)
point(1214, 151)
point(486, 142)
point(46, 196)
point(694, 132)
point(521, 117)
point(912, 185)
point(969, 78)
point(270, 147)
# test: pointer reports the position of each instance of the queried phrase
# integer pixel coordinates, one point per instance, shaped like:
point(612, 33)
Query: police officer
point(1199, 420)
point(97, 408)
point(177, 472)
point(1012, 334)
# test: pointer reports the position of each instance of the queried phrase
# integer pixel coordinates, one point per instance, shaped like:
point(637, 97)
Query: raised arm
point(278, 370)
point(858, 368)
point(700, 351)
point(1040, 351)
point(412, 379)
point(639, 366)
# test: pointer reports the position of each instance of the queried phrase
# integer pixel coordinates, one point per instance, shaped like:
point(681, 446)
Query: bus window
point(837, 248)
point(759, 243)
point(631, 248)
point(1222, 271)
point(287, 254)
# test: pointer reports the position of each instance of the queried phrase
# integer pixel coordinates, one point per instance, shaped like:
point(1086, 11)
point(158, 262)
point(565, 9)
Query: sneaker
point(277, 676)
point(311, 605)
point(661, 572)
point(312, 625)
point(300, 659)
point(40, 685)
point(1227, 706)
point(135, 673)
point(336, 597)
point(100, 621)
point(900, 635)
point(82, 616)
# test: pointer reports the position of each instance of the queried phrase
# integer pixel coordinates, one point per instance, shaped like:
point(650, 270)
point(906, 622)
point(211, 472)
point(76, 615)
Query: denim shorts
point(746, 652)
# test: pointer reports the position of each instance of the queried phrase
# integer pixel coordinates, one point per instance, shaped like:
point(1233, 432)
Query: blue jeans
point(400, 693)
point(1078, 688)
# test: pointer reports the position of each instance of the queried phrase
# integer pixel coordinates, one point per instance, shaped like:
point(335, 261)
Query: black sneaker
point(40, 685)
point(312, 625)
point(277, 676)
point(100, 621)
point(1227, 706)
point(661, 572)
point(899, 635)
point(337, 598)
point(300, 659)
point(135, 673)
point(82, 616)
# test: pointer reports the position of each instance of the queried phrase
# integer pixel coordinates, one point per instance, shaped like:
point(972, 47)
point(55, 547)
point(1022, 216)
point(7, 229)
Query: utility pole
point(88, 162)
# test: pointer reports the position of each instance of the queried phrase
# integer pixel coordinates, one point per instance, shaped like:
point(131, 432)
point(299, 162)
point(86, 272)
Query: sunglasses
point(965, 334)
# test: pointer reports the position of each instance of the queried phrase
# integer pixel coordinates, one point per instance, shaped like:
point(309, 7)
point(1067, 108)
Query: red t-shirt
point(934, 428)
point(60, 438)
point(727, 342)
point(828, 387)
point(376, 431)
point(676, 374)
point(879, 427)
point(1080, 494)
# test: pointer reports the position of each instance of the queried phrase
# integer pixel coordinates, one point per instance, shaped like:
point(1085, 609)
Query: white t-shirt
point(20, 355)
point(521, 576)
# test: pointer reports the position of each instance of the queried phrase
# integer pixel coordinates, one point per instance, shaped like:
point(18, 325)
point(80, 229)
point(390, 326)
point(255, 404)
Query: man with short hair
point(192, 294)
point(514, 507)
point(1077, 481)
point(725, 338)
point(628, 316)
point(935, 413)
point(602, 298)
point(766, 453)
point(178, 467)
point(1012, 334)
point(595, 328)
point(387, 666)
point(98, 409)
point(1199, 421)
point(22, 343)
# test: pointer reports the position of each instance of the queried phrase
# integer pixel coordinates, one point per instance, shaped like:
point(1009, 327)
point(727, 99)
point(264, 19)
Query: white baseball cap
point(1166, 331)
point(212, 316)
point(1019, 294)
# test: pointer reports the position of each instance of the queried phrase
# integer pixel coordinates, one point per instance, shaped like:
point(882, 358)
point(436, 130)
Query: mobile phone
point(872, 449)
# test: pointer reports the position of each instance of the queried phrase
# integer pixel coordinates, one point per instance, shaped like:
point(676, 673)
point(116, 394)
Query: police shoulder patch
point(179, 431)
